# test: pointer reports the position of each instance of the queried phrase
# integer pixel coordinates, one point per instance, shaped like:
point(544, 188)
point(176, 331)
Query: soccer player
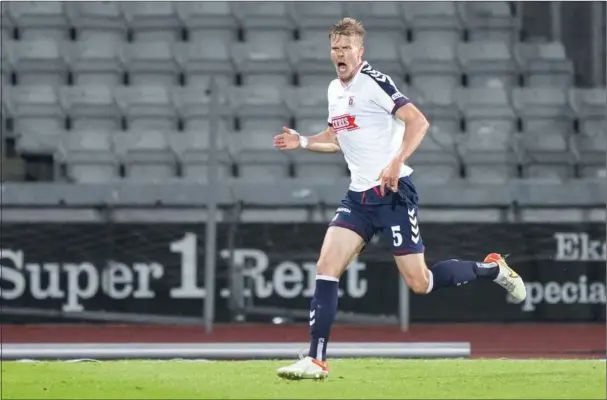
point(377, 129)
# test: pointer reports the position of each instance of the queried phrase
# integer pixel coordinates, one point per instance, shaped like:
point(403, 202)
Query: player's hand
point(389, 177)
point(286, 140)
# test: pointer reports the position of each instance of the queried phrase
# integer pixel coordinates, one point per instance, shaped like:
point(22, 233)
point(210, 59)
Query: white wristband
point(303, 141)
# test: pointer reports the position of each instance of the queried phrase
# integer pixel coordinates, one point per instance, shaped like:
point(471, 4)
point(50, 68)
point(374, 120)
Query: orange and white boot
point(305, 368)
point(508, 278)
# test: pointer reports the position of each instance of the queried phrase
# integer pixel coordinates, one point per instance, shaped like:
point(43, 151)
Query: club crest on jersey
point(351, 101)
point(344, 123)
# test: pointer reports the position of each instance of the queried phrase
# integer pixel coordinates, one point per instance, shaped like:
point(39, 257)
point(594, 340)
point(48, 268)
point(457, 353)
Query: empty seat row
point(427, 63)
point(156, 155)
point(163, 19)
point(264, 108)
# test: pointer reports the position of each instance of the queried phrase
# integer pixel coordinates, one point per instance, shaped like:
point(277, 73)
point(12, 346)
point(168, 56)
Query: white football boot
point(508, 278)
point(306, 368)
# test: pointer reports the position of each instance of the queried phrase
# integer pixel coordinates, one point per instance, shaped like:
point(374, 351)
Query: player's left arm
point(389, 98)
point(416, 126)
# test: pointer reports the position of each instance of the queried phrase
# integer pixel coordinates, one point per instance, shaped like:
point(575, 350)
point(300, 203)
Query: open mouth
point(341, 66)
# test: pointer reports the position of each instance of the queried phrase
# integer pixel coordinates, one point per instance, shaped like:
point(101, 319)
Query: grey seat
point(256, 159)
point(261, 64)
point(589, 107)
point(547, 126)
point(146, 155)
point(544, 64)
point(435, 160)
point(152, 21)
point(89, 156)
point(309, 106)
point(40, 19)
point(431, 64)
point(192, 151)
point(6, 68)
point(266, 22)
point(439, 106)
point(259, 107)
point(208, 21)
point(434, 21)
point(322, 167)
point(38, 61)
point(484, 108)
point(193, 104)
point(309, 59)
point(543, 110)
point(200, 61)
point(95, 60)
point(488, 63)
point(313, 19)
point(384, 57)
point(147, 106)
point(7, 25)
point(34, 107)
point(90, 106)
point(38, 140)
point(488, 20)
point(488, 154)
point(382, 20)
point(97, 19)
point(150, 63)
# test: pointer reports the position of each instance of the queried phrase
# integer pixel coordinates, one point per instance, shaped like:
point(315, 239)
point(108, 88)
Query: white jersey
point(362, 116)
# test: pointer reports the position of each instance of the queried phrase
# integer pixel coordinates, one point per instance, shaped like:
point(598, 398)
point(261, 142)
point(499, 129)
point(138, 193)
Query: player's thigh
point(339, 247)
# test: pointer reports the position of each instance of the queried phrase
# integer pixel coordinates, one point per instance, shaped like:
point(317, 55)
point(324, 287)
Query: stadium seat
point(382, 20)
point(146, 106)
point(256, 159)
point(38, 140)
point(97, 19)
point(436, 157)
point(200, 61)
point(7, 25)
point(323, 167)
point(261, 64)
point(40, 19)
point(384, 57)
point(488, 63)
point(152, 20)
point(259, 108)
point(309, 106)
point(314, 19)
point(432, 65)
point(146, 155)
point(310, 61)
point(90, 106)
point(488, 20)
point(589, 107)
point(439, 106)
point(193, 103)
point(192, 151)
point(265, 23)
point(150, 63)
point(6, 69)
point(543, 110)
point(433, 21)
point(89, 156)
point(95, 60)
point(486, 107)
point(34, 107)
point(208, 21)
point(544, 64)
point(38, 61)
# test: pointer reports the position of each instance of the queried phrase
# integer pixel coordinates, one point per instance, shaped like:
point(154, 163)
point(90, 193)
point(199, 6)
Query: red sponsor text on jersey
point(343, 123)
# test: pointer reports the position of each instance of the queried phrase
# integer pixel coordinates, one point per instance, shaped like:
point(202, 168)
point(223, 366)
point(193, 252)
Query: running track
point(487, 340)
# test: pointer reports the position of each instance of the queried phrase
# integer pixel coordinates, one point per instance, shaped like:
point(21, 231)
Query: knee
point(418, 283)
point(326, 268)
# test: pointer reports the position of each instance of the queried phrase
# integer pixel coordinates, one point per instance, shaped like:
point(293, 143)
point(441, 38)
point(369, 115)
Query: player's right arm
point(323, 142)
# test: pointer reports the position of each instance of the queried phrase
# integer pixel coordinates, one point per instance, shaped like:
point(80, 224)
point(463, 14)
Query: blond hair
point(348, 27)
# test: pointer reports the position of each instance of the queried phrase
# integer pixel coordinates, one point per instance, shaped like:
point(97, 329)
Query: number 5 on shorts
point(398, 238)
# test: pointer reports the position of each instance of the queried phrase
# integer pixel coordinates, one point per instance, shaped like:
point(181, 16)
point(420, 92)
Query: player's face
point(346, 54)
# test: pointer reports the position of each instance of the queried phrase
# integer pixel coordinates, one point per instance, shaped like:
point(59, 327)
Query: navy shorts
point(393, 216)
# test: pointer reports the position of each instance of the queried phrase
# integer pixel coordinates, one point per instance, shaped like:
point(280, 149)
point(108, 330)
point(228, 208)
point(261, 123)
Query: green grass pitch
point(349, 378)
